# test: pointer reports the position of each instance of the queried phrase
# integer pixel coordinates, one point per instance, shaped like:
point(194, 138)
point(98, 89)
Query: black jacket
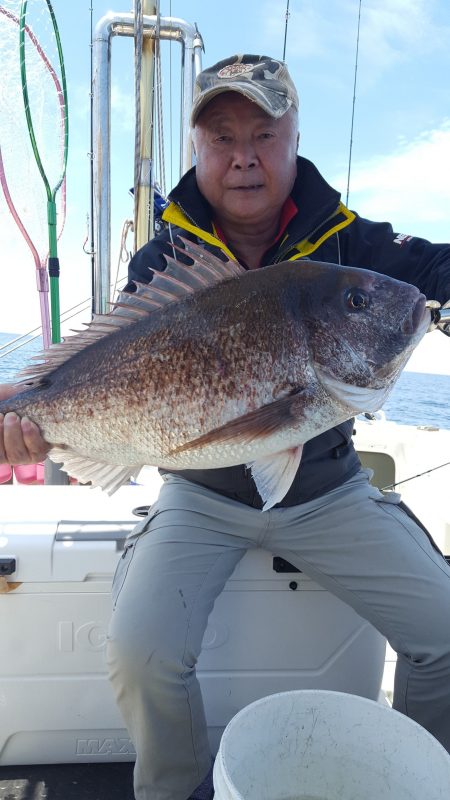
point(325, 230)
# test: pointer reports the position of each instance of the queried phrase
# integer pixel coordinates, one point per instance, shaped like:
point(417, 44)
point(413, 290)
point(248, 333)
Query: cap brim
point(252, 93)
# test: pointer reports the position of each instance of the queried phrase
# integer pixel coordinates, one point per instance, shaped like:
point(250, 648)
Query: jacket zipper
point(290, 247)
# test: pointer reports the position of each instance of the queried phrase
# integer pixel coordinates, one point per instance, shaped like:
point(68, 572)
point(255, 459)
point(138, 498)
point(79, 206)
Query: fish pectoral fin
point(108, 477)
point(258, 424)
point(273, 475)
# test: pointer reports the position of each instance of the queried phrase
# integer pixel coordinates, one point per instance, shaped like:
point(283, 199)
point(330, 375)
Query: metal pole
point(123, 24)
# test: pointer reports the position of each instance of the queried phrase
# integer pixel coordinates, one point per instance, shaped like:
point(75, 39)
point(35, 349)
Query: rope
point(124, 253)
point(353, 106)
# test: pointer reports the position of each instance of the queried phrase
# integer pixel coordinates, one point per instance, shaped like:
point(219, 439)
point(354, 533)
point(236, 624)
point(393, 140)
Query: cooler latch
point(7, 565)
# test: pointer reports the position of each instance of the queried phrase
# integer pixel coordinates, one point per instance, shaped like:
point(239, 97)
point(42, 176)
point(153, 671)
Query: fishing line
point(353, 105)
point(54, 173)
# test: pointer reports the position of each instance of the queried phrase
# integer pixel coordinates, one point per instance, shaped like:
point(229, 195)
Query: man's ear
point(298, 139)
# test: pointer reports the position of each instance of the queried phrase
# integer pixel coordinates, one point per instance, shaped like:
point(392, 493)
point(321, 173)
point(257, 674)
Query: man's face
point(246, 160)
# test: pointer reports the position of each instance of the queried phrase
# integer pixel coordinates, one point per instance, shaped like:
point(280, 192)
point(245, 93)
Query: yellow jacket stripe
point(175, 215)
point(340, 219)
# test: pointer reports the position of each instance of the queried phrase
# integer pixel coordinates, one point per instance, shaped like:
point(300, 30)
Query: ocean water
point(11, 359)
point(417, 398)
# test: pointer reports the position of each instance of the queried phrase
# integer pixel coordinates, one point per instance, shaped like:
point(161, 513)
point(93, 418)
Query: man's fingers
point(36, 446)
point(21, 442)
point(16, 452)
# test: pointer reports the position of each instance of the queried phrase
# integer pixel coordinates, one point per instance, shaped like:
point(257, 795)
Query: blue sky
point(401, 140)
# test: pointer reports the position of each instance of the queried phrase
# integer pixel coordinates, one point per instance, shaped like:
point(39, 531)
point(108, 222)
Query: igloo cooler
point(272, 629)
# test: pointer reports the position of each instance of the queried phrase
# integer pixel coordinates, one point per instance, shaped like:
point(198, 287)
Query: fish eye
point(356, 299)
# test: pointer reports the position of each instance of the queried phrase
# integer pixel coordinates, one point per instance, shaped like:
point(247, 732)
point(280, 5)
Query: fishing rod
point(413, 477)
point(287, 15)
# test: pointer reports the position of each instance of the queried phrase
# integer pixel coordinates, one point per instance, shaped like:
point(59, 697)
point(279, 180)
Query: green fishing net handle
point(53, 261)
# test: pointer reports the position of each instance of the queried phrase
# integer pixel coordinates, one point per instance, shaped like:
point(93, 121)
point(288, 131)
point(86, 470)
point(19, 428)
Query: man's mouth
point(251, 188)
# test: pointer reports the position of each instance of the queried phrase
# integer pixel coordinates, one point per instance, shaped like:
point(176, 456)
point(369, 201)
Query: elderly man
point(251, 197)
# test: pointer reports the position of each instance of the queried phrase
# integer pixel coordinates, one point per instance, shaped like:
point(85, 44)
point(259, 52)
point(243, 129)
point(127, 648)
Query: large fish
point(211, 365)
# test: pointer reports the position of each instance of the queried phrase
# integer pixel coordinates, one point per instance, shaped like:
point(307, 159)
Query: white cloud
point(432, 355)
point(394, 30)
point(410, 187)
point(122, 109)
point(390, 31)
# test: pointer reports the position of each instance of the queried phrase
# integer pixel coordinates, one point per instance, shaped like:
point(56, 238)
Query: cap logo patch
point(233, 70)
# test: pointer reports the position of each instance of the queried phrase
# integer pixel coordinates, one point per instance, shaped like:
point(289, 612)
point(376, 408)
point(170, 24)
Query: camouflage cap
point(259, 78)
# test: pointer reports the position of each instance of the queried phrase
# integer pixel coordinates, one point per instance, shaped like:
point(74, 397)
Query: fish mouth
point(418, 318)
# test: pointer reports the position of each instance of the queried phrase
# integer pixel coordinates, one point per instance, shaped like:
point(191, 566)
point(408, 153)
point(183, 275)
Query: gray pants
point(353, 541)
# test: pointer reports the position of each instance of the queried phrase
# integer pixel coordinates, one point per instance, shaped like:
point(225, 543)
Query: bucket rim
point(324, 693)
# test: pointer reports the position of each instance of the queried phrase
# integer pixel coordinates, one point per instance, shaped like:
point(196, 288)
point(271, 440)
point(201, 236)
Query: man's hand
point(20, 439)
point(440, 316)
point(444, 326)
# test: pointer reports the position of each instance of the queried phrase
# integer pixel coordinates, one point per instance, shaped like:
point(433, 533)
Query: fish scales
point(242, 370)
point(179, 370)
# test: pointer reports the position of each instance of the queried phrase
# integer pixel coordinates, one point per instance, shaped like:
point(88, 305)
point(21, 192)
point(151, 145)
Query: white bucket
point(319, 745)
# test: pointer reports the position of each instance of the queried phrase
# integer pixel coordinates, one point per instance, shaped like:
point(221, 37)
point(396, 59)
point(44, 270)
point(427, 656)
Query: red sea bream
point(211, 365)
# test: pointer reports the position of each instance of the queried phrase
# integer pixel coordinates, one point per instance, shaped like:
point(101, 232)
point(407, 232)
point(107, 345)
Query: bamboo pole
point(144, 229)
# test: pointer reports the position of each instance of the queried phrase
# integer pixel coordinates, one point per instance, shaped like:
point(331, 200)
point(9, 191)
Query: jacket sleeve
point(147, 258)
point(152, 256)
point(376, 246)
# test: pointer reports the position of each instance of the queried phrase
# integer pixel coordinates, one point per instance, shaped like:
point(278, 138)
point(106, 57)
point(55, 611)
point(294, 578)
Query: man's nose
point(244, 156)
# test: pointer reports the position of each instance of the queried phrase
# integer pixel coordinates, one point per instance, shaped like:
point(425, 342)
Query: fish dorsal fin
point(170, 286)
point(213, 268)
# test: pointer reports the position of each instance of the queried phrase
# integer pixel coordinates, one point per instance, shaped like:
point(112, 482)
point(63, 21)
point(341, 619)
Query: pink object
point(5, 473)
point(29, 473)
point(40, 472)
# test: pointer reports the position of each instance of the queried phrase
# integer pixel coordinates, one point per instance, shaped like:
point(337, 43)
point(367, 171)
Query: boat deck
point(67, 782)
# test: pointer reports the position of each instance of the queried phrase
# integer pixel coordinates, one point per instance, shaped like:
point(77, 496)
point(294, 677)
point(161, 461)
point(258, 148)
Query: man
point(251, 197)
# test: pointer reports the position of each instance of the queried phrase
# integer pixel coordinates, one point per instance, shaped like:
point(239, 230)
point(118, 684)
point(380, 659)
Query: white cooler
point(272, 630)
